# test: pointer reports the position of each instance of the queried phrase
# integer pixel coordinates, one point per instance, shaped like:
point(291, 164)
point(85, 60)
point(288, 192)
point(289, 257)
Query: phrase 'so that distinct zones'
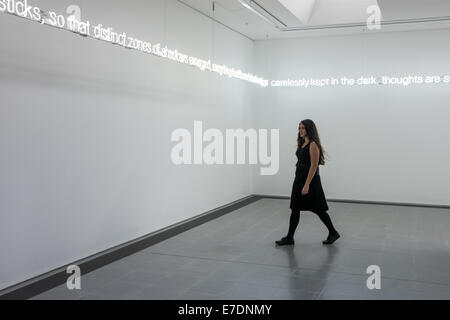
point(24, 10)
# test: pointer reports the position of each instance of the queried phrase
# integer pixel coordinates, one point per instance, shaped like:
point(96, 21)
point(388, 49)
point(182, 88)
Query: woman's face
point(302, 130)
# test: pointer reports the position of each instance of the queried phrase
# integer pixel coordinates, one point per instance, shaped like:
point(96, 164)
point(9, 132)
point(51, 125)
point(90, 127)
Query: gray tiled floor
point(234, 257)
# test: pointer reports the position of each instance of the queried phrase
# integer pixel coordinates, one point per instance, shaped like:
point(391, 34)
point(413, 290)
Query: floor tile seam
point(309, 269)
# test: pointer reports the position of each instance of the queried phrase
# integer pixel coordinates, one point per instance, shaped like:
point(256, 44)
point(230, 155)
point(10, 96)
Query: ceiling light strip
point(363, 24)
point(268, 12)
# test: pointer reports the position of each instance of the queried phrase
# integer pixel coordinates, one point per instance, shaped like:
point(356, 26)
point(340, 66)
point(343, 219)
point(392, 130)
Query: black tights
point(295, 218)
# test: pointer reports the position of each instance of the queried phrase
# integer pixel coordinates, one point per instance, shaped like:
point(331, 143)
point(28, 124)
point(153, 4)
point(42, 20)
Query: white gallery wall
point(85, 131)
point(384, 143)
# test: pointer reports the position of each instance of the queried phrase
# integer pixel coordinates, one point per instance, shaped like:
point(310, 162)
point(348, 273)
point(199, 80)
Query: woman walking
point(307, 193)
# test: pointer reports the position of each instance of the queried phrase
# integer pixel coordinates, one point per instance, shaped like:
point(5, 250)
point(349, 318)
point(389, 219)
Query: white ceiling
point(296, 18)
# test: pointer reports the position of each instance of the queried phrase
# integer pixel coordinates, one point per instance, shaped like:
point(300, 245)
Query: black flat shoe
point(285, 241)
point(332, 238)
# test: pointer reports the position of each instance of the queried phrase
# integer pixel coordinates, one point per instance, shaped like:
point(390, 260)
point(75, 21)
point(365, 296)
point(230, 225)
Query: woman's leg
point(293, 223)
point(324, 216)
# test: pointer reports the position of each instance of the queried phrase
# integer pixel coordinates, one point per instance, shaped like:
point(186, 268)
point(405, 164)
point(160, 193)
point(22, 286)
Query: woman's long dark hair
point(313, 135)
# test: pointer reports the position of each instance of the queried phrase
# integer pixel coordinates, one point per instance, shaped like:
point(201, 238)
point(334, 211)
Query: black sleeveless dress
point(314, 200)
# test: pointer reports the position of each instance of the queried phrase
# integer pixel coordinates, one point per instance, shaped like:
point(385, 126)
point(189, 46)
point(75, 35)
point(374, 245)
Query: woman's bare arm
point(314, 153)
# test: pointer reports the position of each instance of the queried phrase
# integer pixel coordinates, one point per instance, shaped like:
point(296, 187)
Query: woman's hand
point(305, 189)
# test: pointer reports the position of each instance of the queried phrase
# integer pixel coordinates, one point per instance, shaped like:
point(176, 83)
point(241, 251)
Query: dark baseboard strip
point(52, 279)
point(383, 203)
